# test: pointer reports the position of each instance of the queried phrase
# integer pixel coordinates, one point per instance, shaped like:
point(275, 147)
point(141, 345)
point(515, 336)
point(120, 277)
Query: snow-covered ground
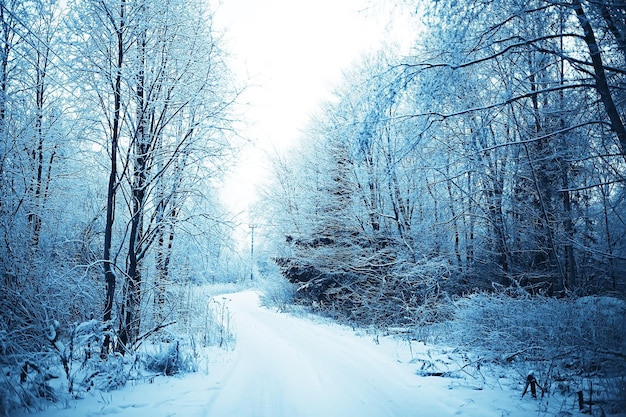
point(290, 366)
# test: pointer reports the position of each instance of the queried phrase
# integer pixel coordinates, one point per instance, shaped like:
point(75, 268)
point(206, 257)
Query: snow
point(284, 365)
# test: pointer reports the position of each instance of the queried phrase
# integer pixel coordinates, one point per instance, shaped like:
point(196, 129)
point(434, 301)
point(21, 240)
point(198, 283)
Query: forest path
point(289, 366)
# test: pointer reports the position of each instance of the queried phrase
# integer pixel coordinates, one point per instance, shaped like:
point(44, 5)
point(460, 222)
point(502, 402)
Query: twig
point(150, 332)
point(509, 358)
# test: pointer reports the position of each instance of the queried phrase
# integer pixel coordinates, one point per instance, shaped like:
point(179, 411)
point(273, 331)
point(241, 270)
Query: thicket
point(53, 361)
point(573, 345)
point(404, 295)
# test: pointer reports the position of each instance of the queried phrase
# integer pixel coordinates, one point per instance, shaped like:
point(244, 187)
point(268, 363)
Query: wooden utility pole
point(252, 227)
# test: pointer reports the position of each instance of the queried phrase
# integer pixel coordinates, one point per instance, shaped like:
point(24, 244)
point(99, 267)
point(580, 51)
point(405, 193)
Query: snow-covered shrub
point(27, 386)
point(35, 293)
point(567, 341)
point(204, 317)
point(540, 326)
point(77, 350)
point(27, 375)
point(169, 359)
point(80, 353)
point(378, 291)
point(111, 373)
point(278, 293)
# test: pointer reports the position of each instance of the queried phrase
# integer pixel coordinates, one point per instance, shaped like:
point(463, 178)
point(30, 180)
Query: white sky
point(292, 52)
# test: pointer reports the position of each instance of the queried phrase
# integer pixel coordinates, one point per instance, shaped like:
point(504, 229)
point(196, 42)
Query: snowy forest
point(472, 191)
point(115, 120)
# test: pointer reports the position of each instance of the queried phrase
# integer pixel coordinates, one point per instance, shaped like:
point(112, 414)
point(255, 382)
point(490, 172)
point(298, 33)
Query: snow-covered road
point(293, 367)
point(286, 366)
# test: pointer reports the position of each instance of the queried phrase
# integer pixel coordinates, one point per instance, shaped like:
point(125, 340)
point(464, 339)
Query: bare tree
point(163, 96)
point(486, 157)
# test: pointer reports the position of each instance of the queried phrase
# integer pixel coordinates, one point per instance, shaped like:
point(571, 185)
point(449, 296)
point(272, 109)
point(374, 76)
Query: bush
point(571, 343)
point(508, 326)
point(27, 386)
point(393, 294)
point(167, 359)
point(279, 294)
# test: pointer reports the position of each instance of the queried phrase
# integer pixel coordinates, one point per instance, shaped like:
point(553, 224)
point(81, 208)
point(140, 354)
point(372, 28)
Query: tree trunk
point(164, 252)
point(41, 64)
point(109, 275)
point(602, 85)
point(131, 317)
